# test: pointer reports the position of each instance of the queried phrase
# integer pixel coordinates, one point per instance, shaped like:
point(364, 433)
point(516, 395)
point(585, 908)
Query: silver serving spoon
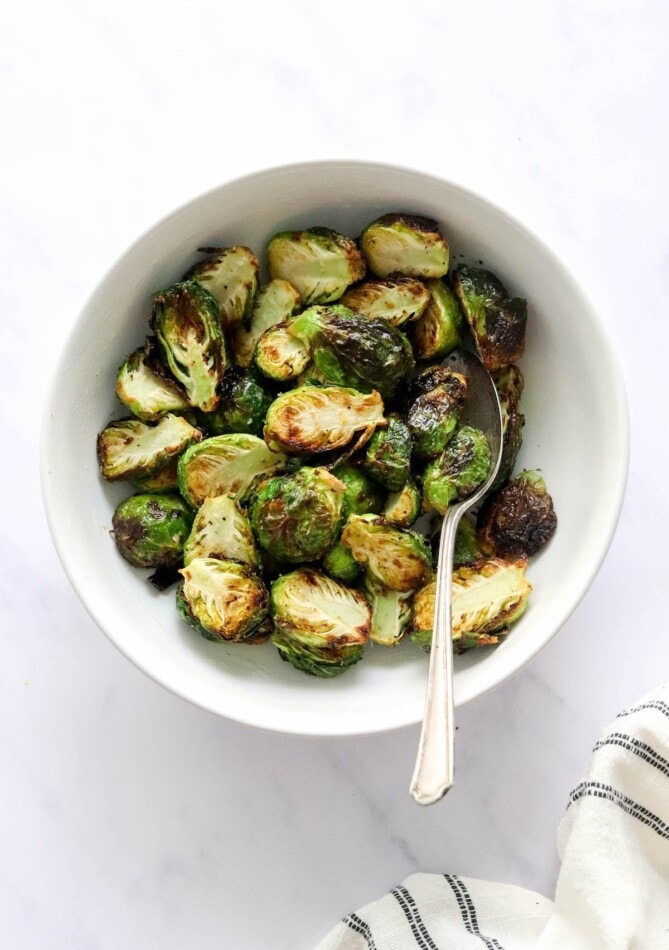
point(433, 773)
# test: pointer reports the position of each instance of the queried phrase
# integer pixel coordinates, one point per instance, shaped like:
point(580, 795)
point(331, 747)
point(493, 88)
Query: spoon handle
point(433, 772)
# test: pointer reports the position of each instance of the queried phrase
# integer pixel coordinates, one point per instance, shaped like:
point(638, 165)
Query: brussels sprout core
point(150, 530)
point(320, 263)
point(405, 244)
point(130, 448)
point(394, 557)
point(225, 465)
point(223, 600)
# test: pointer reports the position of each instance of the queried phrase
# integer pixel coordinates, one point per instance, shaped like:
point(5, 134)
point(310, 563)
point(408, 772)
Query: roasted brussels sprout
point(488, 596)
point(297, 518)
point(439, 330)
point(230, 274)
point(460, 469)
point(225, 465)
point(221, 530)
point(150, 530)
point(388, 455)
point(361, 495)
point(391, 612)
point(185, 320)
point(403, 507)
point(433, 416)
point(320, 626)
point(405, 244)
point(397, 299)
point(467, 547)
point(340, 564)
point(145, 387)
point(509, 383)
point(222, 600)
point(320, 263)
point(519, 520)
point(311, 419)
point(164, 480)
point(397, 558)
point(281, 356)
point(130, 448)
point(496, 321)
point(275, 303)
point(243, 405)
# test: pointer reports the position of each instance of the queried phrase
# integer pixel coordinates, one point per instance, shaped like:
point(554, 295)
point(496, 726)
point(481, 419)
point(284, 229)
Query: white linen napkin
point(613, 887)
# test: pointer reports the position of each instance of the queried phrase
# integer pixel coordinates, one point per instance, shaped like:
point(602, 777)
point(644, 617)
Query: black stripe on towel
point(360, 927)
point(468, 911)
point(641, 749)
point(658, 704)
point(599, 790)
point(418, 928)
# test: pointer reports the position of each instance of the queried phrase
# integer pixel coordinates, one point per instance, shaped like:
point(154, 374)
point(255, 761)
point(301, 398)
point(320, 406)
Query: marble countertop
point(130, 818)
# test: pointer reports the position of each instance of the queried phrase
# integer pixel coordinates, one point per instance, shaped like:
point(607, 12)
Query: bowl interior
point(576, 425)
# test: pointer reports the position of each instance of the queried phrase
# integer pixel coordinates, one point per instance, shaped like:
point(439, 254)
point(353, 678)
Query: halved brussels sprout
point(230, 274)
point(467, 547)
point(519, 520)
point(461, 468)
point(340, 564)
point(221, 530)
point(388, 455)
point(406, 244)
point(488, 596)
point(276, 302)
point(403, 507)
point(361, 495)
point(320, 263)
point(320, 626)
point(281, 356)
point(497, 322)
point(297, 518)
point(439, 330)
point(225, 465)
point(397, 558)
point(185, 320)
point(509, 383)
point(130, 448)
point(222, 600)
point(243, 405)
point(145, 387)
point(311, 419)
point(150, 530)
point(164, 480)
point(433, 416)
point(396, 299)
point(391, 612)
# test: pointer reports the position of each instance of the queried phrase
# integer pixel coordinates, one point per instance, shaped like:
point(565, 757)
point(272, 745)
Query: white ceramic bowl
point(576, 431)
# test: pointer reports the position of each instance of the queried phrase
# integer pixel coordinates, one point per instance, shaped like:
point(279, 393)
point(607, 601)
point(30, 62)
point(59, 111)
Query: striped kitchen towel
point(613, 887)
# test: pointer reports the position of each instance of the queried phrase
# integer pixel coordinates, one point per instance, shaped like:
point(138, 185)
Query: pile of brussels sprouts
point(285, 438)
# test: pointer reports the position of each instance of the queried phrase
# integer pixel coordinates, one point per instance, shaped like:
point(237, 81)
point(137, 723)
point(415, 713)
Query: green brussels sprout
point(243, 406)
point(519, 520)
point(387, 457)
point(281, 356)
point(439, 330)
point(164, 480)
point(130, 448)
point(397, 558)
point(467, 548)
point(488, 596)
point(433, 416)
point(403, 507)
point(497, 322)
point(461, 468)
point(396, 299)
point(361, 495)
point(340, 564)
point(225, 465)
point(297, 518)
point(222, 600)
point(391, 612)
point(405, 244)
point(185, 320)
point(145, 387)
point(509, 383)
point(221, 530)
point(320, 625)
point(319, 263)
point(275, 303)
point(311, 419)
point(230, 274)
point(150, 530)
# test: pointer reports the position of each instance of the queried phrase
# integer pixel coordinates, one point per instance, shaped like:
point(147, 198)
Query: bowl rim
point(619, 415)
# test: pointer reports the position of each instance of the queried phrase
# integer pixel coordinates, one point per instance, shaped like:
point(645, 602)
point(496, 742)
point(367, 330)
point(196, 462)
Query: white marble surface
point(129, 818)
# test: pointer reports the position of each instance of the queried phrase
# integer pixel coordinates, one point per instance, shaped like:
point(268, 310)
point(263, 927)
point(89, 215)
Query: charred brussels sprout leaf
point(462, 467)
point(130, 448)
point(220, 530)
point(185, 320)
point(394, 557)
point(275, 303)
point(320, 263)
point(467, 548)
point(225, 465)
point(439, 330)
point(519, 520)
point(164, 480)
point(405, 244)
point(433, 416)
point(230, 274)
point(403, 507)
point(361, 495)
point(320, 625)
point(145, 387)
point(311, 419)
point(281, 356)
point(340, 564)
point(397, 299)
point(497, 322)
point(243, 405)
point(223, 600)
point(297, 518)
point(391, 612)
point(388, 455)
point(509, 383)
point(150, 530)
